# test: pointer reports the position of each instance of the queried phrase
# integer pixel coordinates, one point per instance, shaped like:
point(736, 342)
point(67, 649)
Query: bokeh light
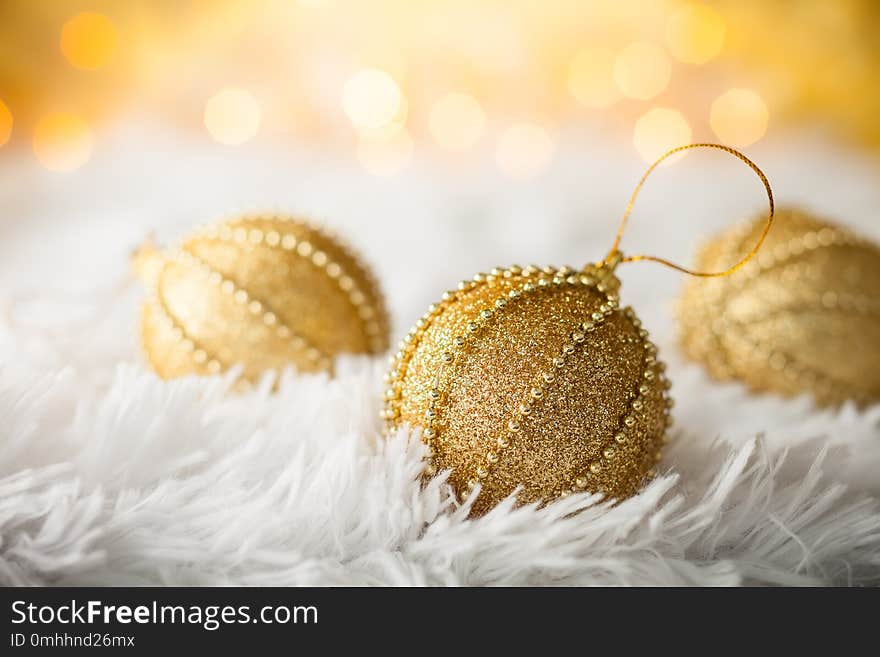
point(232, 116)
point(659, 130)
point(371, 99)
point(62, 141)
point(385, 153)
point(5, 123)
point(642, 70)
point(739, 117)
point(524, 149)
point(457, 121)
point(695, 33)
point(591, 77)
point(89, 40)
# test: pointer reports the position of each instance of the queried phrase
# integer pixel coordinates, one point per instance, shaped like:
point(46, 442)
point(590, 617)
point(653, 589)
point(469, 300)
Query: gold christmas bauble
point(804, 316)
point(533, 378)
point(264, 291)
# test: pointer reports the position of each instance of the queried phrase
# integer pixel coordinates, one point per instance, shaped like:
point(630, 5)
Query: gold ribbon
point(615, 256)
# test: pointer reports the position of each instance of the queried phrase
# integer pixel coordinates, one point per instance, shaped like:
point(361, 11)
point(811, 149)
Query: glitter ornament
point(802, 317)
point(264, 291)
point(535, 378)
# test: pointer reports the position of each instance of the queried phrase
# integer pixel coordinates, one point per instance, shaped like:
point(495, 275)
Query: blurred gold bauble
point(804, 316)
point(264, 291)
point(533, 378)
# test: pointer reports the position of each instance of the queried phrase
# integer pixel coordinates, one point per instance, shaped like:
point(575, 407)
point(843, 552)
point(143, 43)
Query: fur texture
point(144, 482)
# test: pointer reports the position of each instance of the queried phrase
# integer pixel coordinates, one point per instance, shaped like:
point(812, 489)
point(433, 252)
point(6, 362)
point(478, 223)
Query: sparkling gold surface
point(804, 316)
point(533, 378)
point(264, 291)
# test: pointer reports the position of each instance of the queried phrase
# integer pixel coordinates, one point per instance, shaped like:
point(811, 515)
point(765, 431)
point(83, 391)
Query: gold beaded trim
point(185, 341)
point(830, 301)
point(782, 253)
point(777, 360)
point(380, 313)
point(811, 241)
point(256, 307)
point(460, 343)
point(198, 352)
point(794, 369)
point(399, 362)
point(407, 346)
point(628, 421)
point(306, 250)
point(577, 337)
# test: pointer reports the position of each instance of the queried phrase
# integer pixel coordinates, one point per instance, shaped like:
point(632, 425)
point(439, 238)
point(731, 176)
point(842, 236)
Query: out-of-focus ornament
point(536, 378)
point(804, 316)
point(264, 291)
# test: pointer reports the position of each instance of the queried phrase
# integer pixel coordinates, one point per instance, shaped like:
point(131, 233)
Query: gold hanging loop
point(614, 255)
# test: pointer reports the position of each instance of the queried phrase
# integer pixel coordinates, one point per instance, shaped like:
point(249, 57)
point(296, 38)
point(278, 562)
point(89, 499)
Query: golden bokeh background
point(384, 79)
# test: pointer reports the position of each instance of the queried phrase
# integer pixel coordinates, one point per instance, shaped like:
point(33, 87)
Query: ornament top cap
point(615, 257)
point(611, 261)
